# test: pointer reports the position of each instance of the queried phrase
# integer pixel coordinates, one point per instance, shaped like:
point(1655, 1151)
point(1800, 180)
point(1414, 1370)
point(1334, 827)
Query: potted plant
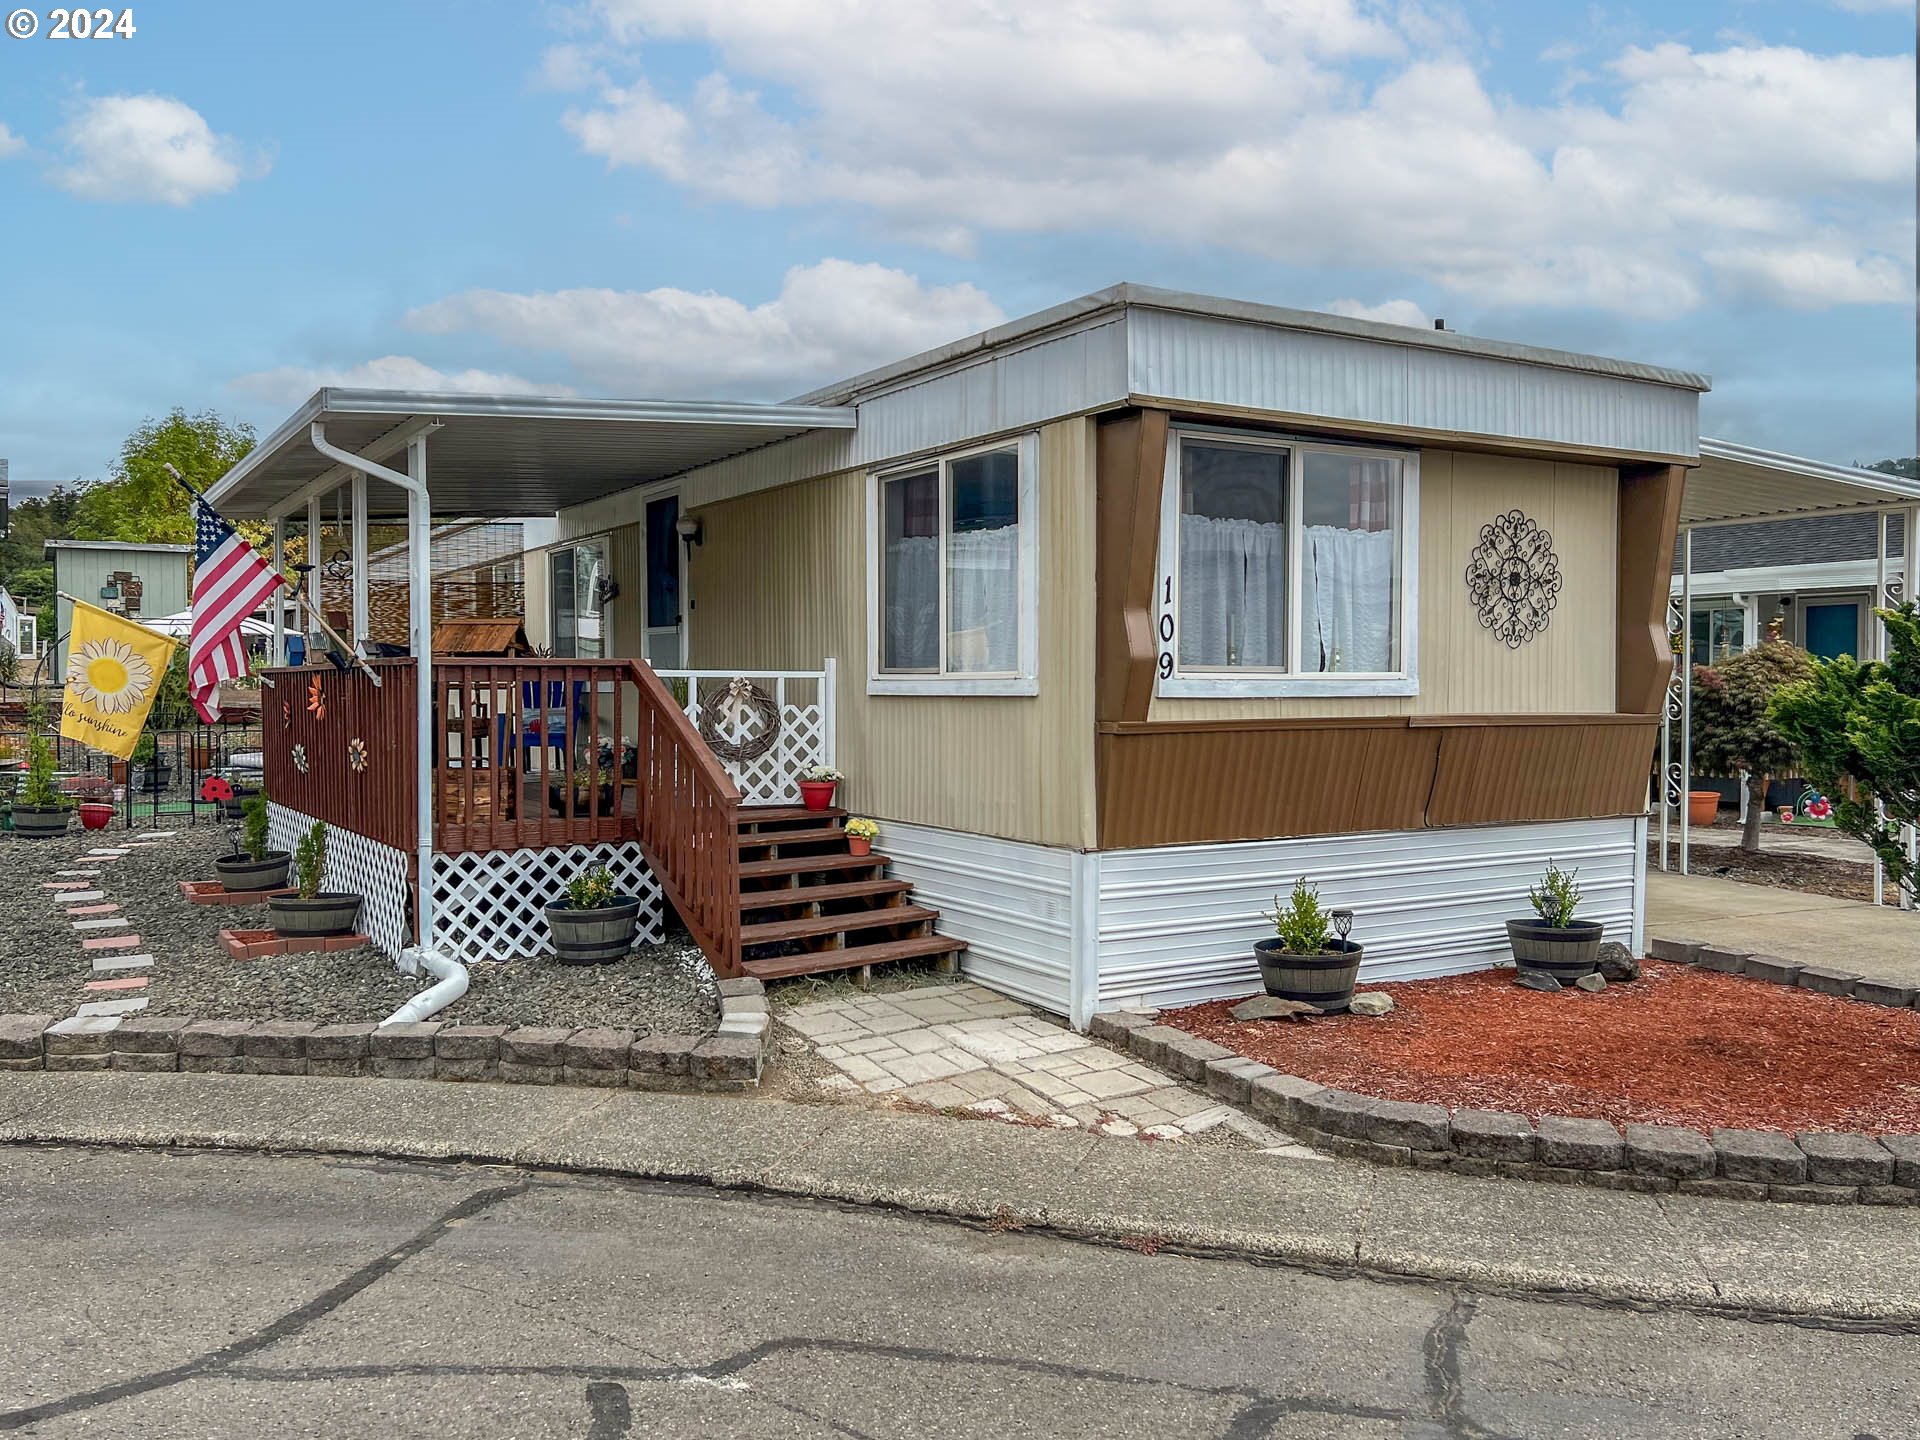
point(1306, 960)
point(40, 812)
point(1555, 943)
point(592, 790)
point(252, 866)
point(860, 836)
point(95, 814)
point(312, 911)
point(150, 770)
point(9, 761)
point(817, 784)
point(592, 924)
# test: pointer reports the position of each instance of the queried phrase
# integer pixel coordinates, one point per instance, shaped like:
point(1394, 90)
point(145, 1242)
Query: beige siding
point(780, 583)
point(1463, 669)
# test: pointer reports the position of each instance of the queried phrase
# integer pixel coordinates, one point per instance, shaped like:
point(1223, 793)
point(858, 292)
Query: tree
point(142, 503)
point(1732, 730)
point(1908, 469)
point(1857, 728)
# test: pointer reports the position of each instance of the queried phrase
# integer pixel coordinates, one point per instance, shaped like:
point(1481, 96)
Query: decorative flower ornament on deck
point(357, 755)
point(300, 758)
point(740, 704)
point(314, 702)
point(1513, 579)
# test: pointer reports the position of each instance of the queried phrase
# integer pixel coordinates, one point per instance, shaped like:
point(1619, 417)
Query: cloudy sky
point(751, 197)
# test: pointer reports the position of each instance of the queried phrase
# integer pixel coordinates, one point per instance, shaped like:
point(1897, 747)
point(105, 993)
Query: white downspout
point(279, 600)
point(449, 973)
point(1686, 700)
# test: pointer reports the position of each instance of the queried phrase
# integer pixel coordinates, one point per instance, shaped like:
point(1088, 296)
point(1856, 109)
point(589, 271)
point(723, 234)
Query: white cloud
point(1320, 132)
point(1871, 7)
point(10, 143)
point(290, 384)
point(1809, 277)
point(149, 148)
point(1387, 312)
point(830, 320)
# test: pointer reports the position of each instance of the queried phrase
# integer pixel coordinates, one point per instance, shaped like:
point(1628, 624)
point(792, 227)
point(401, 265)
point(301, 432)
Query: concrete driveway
point(1877, 941)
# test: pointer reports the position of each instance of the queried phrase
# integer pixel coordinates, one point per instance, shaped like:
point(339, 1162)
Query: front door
point(1833, 629)
point(665, 627)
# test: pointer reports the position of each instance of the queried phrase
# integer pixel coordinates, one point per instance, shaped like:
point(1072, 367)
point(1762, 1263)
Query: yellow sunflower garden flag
point(113, 672)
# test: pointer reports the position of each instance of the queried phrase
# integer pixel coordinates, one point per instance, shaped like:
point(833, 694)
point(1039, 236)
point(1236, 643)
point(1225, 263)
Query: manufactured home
point(1117, 618)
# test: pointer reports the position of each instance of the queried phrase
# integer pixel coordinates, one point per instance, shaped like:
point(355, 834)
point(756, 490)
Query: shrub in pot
point(40, 812)
point(1555, 943)
point(860, 836)
point(252, 866)
point(592, 924)
point(817, 784)
point(1306, 960)
point(311, 910)
point(8, 760)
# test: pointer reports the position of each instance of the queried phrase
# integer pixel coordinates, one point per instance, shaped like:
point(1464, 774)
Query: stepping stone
point(85, 1025)
point(75, 897)
point(110, 942)
point(104, 850)
point(130, 982)
point(101, 1009)
point(161, 834)
point(101, 924)
point(63, 885)
point(82, 874)
point(107, 964)
point(94, 910)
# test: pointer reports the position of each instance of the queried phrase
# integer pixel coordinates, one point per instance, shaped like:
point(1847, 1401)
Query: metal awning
point(1738, 483)
point(504, 455)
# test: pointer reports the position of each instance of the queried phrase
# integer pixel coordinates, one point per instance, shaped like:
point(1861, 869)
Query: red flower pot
point(859, 844)
point(95, 814)
point(817, 794)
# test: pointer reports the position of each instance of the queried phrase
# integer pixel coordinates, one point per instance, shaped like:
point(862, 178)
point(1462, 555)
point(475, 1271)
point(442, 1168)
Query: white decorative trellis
point(805, 700)
point(379, 874)
point(491, 904)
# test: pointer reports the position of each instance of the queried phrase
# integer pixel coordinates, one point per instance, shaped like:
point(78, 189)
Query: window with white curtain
point(953, 607)
point(1287, 568)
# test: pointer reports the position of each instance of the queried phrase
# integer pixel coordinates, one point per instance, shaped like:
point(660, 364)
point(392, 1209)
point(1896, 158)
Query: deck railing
point(310, 720)
point(804, 702)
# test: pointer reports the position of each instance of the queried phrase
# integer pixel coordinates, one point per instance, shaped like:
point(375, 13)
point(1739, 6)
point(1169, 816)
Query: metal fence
point(163, 791)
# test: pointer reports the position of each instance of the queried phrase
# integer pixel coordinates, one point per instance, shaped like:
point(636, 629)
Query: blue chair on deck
point(545, 726)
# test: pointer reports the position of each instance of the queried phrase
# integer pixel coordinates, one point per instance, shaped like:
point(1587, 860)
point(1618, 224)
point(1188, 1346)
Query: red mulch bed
point(1678, 1047)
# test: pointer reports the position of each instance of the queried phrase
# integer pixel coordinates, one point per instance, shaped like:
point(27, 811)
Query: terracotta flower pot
point(817, 794)
point(1703, 806)
point(859, 844)
point(95, 814)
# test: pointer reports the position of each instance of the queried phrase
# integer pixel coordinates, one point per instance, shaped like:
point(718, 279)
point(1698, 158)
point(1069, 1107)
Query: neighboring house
point(1117, 617)
point(1815, 576)
point(138, 581)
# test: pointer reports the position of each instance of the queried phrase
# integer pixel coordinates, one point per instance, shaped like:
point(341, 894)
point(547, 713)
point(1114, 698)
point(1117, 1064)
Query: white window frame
point(1244, 683)
point(603, 539)
point(1025, 680)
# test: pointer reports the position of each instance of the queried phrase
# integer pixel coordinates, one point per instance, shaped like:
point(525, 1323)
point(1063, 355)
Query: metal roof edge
point(1735, 453)
point(153, 546)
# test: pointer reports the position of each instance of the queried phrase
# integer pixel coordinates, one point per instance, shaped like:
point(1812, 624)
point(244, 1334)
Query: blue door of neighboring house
point(1833, 629)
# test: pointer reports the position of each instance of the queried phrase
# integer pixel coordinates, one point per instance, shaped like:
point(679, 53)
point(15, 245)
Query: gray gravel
point(43, 970)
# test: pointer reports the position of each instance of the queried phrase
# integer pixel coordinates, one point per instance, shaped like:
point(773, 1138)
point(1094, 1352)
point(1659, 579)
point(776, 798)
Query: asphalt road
point(204, 1294)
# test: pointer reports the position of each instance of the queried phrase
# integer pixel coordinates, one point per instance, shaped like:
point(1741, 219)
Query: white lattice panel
point(491, 905)
point(770, 780)
point(379, 874)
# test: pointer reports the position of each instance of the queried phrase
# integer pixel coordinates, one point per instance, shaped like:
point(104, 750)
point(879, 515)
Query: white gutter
point(450, 974)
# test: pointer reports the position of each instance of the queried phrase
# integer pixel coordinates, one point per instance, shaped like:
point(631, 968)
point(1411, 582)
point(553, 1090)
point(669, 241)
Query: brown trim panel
point(1130, 463)
point(1650, 498)
point(1503, 774)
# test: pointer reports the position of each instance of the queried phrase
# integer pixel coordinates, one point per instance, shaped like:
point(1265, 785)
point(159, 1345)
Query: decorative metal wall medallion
point(728, 724)
point(357, 754)
point(300, 758)
point(1513, 578)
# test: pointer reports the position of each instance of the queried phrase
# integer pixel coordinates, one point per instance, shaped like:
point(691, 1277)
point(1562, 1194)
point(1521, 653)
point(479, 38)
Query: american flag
point(229, 582)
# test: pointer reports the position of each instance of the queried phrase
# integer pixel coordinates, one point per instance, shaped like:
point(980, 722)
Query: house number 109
point(1166, 629)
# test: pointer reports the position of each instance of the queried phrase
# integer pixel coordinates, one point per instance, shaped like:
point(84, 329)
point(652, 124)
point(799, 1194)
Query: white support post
point(829, 704)
point(362, 623)
point(316, 553)
point(1686, 695)
point(1877, 650)
point(279, 600)
point(1639, 936)
point(420, 630)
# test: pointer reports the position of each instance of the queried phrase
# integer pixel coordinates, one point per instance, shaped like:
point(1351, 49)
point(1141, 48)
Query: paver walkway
point(1876, 941)
point(960, 1046)
point(68, 901)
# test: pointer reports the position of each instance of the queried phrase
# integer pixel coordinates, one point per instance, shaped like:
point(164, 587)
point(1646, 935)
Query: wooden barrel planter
point(326, 914)
point(36, 824)
point(1324, 981)
point(593, 937)
point(243, 872)
point(1566, 952)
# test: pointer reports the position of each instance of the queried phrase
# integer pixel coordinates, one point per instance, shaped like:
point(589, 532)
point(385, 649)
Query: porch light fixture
point(690, 529)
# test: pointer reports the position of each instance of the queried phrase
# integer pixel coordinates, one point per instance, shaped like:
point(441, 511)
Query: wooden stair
point(809, 907)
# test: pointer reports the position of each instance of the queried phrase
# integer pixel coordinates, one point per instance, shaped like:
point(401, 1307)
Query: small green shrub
point(42, 790)
point(590, 890)
point(254, 809)
point(1556, 897)
point(1302, 926)
point(310, 861)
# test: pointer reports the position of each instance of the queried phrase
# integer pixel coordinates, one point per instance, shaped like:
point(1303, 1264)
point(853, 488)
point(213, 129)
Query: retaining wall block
point(532, 1045)
point(468, 1042)
point(1842, 1158)
point(409, 1040)
point(516, 1073)
point(1905, 1150)
point(213, 1039)
point(163, 1062)
point(1815, 1194)
point(80, 1037)
point(1494, 1135)
point(1727, 962)
point(1680, 952)
point(1761, 1157)
point(1405, 1122)
point(1150, 1043)
point(20, 1038)
point(1885, 992)
point(339, 1042)
point(1577, 1144)
point(725, 1060)
point(661, 1056)
point(743, 985)
point(1670, 1151)
point(1889, 1195)
point(1280, 1098)
point(1773, 969)
point(150, 1034)
point(1337, 1112)
point(1824, 980)
point(1720, 1188)
point(1231, 1079)
point(1189, 1056)
point(1114, 1026)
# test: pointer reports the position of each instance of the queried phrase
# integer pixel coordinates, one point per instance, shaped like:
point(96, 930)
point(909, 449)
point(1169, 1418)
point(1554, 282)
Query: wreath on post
point(739, 704)
point(1513, 578)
